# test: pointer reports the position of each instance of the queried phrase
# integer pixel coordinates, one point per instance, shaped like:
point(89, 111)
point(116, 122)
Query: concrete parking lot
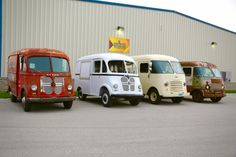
point(89, 130)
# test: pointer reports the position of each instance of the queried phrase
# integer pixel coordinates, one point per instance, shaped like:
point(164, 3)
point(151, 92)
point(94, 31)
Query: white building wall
point(82, 28)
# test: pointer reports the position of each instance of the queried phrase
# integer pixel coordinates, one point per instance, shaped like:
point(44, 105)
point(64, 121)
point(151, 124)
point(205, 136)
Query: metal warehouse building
point(83, 27)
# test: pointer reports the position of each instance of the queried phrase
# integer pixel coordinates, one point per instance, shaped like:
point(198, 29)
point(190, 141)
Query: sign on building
point(119, 45)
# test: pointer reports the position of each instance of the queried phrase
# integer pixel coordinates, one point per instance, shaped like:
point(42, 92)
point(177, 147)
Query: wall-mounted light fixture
point(213, 44)
point(120, 30)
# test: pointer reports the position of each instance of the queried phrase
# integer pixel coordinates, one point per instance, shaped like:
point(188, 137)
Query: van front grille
point(45, 84)
point(176, 86)
point(128, 84)
point(48, 86)
point(216, 86)
point(59, 81)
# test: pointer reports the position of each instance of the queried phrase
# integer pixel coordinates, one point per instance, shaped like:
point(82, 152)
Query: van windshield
point(177, 67)
point(42, 64)
point(162, 67)
point(216, 72)
point(203, 72)
point(120, 66)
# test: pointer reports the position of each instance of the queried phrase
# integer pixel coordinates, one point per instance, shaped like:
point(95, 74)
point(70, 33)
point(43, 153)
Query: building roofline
point(157, 9)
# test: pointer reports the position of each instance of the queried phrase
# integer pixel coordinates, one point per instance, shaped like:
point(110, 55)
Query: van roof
point(107, 57)
point(40, 51)
point(197, 63)
point(154, 57)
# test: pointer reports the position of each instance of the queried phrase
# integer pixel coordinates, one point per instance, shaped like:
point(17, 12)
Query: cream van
point(109, 76)
point(161, 77)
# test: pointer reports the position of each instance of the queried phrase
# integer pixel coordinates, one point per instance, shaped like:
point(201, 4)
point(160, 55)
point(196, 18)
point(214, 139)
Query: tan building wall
point(81, 28)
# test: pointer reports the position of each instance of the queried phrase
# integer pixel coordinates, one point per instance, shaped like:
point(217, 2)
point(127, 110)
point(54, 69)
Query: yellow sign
point(118, 45)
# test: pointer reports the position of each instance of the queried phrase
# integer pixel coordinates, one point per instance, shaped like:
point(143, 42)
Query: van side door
point(84, 77)
point(12, 73)
point(21, 74)
point(96, 77)
point(144, 75)
point(189, 77)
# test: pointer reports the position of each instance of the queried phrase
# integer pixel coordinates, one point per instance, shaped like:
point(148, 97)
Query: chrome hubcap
point(23, 101)
point(153, 96)
point(105, 98)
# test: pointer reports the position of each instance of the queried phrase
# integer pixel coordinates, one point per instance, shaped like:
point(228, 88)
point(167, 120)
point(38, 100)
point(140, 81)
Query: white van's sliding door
point(96, 77)
point(85, 71)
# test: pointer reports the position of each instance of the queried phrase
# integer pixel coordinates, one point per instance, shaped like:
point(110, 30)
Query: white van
point(109, 76)
point(161, 77)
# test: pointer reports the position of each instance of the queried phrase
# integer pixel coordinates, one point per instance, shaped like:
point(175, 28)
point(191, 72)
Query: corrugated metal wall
point(82, 28)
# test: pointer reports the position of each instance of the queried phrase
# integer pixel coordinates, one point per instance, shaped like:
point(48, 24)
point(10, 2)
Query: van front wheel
point(197, 96)
point(26, 104)
point(154, 96)
point(217, 99)
point(67, 104)
point(177, 100)
point(106, 99)
point(134, 101)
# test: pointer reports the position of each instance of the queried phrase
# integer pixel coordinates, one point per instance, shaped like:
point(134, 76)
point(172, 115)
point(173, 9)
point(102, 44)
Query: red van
point(40, 75)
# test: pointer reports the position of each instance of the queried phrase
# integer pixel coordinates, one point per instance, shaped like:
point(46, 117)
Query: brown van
point(203, 80)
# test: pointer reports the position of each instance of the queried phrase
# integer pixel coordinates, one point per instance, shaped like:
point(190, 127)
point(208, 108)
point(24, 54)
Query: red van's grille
point(48, 86)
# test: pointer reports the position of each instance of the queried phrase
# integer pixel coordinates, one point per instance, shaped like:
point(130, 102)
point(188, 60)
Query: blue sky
point(218, 12)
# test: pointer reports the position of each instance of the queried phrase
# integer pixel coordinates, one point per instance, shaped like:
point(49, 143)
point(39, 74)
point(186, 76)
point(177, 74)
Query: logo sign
point(118, 45)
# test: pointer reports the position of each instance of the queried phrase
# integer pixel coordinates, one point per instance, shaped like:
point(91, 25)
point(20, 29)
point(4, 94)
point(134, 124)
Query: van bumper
point(53, 99)
point(213, 94)
point(127, 96)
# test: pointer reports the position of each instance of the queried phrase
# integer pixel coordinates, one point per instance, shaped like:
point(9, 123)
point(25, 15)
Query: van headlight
point(207, 87)
point(69, 87)
point(139, 87)
point(166, 84)
point(34, 87)
point(115, 87)
point(222, 87)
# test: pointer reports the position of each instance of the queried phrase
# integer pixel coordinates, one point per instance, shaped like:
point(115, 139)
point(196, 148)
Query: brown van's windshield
point(203, 72)
point(216, 72)
point(42, 64)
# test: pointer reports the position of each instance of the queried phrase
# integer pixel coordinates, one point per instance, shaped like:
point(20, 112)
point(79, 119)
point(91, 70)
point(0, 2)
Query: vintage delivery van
point(161, 77)
point(40, 75)
point(204, 80)
point(109, 76)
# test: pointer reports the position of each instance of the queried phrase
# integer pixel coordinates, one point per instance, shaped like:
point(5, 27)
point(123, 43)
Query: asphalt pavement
point(187, 129)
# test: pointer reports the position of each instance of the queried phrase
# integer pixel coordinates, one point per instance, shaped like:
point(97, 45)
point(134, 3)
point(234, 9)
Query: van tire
point(154, 96)
point(134, 101)
point(13, 98)
point(81, 96)
point(177, 100)
point(24, 101)
point(197, 96)
point(67, 104)
point(106, 98)
point(217, 99)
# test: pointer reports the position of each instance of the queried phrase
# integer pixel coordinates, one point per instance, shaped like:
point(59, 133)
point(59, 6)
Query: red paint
point(22, 80)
